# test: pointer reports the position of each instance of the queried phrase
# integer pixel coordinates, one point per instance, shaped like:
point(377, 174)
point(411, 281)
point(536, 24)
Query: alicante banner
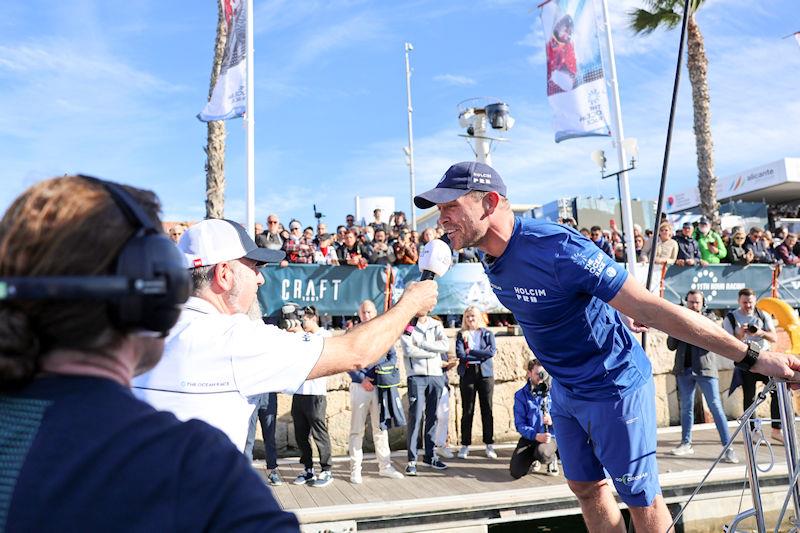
point(576, 85)
point(229, 96)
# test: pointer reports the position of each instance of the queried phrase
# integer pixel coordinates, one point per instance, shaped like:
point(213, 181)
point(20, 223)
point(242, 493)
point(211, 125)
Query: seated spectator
point(596, 234)
point(299, 247)
point(666, 247)
point(377, 223)
point(532, 419)
point(755, 244)
point(379, 252)
point(688, 251)
point(739, 253)
point(712, 249)
point(325, 253)
point(352, 252)
point(784, 252)
point(271, 238)
point(176, 231)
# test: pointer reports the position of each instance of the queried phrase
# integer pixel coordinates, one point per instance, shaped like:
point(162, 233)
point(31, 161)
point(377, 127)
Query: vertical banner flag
point(576, 87)
point(797, 36)
point(229, 97)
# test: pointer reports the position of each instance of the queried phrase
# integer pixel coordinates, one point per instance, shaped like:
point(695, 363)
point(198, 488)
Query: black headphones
point(684, 302)
point(150, 284)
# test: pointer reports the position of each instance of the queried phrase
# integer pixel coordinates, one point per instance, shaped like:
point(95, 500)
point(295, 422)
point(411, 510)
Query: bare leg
point(655, 518)
point(600, 510)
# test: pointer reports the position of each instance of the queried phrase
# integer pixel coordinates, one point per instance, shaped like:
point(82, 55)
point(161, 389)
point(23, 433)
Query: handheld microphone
point(435, 260)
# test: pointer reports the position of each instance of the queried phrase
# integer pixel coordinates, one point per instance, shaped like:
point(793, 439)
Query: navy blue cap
point(459, 180)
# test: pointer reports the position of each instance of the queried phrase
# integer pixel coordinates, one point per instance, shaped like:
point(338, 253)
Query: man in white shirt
point(216, 355)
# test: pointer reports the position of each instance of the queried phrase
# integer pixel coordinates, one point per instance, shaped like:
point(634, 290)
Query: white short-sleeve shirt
point(212, 362)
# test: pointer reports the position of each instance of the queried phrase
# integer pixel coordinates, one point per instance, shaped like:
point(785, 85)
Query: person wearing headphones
point(697, 367)
point(78, 451)
point(220, 353)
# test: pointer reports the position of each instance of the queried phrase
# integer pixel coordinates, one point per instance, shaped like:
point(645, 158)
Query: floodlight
point(465, 117)
point(599, 158)
point(631, 146)
point(498, 115)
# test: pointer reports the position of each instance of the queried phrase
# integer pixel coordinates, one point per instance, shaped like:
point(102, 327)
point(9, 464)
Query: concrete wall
point(509, 366)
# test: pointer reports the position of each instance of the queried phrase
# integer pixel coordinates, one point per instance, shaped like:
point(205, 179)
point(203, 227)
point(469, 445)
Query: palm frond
point(645, 22)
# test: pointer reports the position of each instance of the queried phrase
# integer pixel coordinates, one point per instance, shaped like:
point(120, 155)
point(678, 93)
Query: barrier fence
point(338, 290)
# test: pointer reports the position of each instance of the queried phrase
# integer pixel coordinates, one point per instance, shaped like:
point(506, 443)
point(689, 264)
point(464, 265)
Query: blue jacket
point(483, 353)
point(528, 415)
point(358, 375)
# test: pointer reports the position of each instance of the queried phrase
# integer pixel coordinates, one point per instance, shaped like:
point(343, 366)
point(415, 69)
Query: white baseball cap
point(216, 240)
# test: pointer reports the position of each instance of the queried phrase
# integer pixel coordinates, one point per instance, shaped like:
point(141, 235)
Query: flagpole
point(619, 137)
point(411, 178)
point(250, 128)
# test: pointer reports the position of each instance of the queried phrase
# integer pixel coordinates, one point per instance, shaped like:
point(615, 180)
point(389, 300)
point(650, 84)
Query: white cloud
point(455, 79)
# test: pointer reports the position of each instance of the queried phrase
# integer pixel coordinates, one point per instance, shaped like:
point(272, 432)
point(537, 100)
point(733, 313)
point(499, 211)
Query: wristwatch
point(750, 357)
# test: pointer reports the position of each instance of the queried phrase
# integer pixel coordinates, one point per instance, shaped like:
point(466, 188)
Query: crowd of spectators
point(698, 244)
point(377, 243)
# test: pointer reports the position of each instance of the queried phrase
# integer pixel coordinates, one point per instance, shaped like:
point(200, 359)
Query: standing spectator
point(413, 237)
point(299, 247)
point(532, 419)
point(377, 223)
point(309, 404)
point(398, 222)
point(750, 324)
point(586, 233)
point(271, 238)
point(695, 366)
point(352, 252)
point(712, 249)
point(350, 222)
point(176, 231)
point(405, 254)
point(755, 244)
point(638, 242)
point(688, 251)
point(363, 402)
point(322, 229)
point(475, 349)
point(441, 432)
point(379, 251)
point(325, 254)
point(784, 251)
point(265, 414)
point(422, 352)
point(666, 247)
point(740, 254)
point(428, 234)
point(600, 240)
point(341, 231)
point(769, 245)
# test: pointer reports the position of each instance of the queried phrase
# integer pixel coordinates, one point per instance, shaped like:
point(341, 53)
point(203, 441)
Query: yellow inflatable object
point(786, 317)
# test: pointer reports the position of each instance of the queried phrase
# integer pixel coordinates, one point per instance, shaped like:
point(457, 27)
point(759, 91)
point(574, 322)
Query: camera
point(752, 328)
point(291, 316)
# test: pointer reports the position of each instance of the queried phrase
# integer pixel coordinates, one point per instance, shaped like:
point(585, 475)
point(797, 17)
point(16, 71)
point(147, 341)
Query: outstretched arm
point(644, 307)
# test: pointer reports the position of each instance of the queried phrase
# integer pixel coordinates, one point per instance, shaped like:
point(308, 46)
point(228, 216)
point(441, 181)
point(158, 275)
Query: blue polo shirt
point(556, 282)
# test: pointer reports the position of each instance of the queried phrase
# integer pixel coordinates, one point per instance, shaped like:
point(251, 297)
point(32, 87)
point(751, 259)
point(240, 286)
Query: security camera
point(471, 131)
point(499, 117)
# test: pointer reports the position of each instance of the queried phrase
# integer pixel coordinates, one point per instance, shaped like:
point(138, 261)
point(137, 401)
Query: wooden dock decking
point(480, 491)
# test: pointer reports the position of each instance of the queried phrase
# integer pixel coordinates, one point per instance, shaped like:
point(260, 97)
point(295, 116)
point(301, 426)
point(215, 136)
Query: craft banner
point(229, 97)
point(576, 86)
point(336, 290)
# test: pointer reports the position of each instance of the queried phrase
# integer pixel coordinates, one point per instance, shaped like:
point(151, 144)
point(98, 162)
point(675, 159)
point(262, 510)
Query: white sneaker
point(391, 473)
point(685, 448)
point(552, 468)
point(355, 477)
point(463, 452)
point(536, 466)
point(490, 453)
point(444, 452)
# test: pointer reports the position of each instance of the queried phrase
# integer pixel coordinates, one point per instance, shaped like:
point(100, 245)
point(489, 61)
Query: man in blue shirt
point(572, 302)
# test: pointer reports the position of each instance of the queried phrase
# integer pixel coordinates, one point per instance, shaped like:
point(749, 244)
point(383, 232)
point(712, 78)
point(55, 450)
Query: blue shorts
point(619, 435)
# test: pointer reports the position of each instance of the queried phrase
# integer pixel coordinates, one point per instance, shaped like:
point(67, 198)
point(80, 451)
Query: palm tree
point(215, 149)
point(668, 13)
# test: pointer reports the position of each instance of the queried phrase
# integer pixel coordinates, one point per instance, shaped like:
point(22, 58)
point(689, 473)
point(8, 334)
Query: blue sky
point(112, 89)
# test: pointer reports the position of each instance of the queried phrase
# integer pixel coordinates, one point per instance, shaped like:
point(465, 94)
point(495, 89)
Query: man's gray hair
point(201, 278)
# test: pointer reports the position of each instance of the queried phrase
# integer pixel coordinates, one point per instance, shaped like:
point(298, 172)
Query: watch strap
point(750, 357)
